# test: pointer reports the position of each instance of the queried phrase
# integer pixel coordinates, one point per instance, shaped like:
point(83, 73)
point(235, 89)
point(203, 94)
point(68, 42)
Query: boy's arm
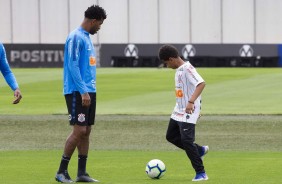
point(199, 88)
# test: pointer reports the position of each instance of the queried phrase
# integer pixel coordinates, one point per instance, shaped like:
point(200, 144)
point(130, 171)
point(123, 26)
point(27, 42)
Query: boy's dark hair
point(167, 51)
point(95, 12)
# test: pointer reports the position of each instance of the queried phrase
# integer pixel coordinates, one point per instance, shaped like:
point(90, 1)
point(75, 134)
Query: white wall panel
point(5, 21)
point(115, 27)
point(174, 21)
point(269, 22)
point(25, 21)
point(54, 21)
point(143, 21)
point(238, 21)
point(206, 24)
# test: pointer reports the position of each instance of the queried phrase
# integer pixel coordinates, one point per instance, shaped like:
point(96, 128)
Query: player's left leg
point(187, 131)
point(83, 146)
point(203, 150)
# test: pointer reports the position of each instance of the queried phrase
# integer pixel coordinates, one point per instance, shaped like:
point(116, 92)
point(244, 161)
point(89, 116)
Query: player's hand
point(18, 96)
point(190, 108)
point(86, 100)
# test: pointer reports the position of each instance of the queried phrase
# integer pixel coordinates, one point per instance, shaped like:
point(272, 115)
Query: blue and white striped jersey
point(186, 80)
point(79, 63)
point(5, 69)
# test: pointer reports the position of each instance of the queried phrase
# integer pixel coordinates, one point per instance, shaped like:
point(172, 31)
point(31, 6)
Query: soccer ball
point(155, 169)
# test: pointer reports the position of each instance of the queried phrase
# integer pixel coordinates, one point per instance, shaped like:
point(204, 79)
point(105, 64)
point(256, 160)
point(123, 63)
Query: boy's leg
point(187, 131)
point(173, 134)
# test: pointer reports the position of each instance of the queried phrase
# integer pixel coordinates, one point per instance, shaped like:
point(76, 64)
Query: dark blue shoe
point(204, 152)
point(200, 177)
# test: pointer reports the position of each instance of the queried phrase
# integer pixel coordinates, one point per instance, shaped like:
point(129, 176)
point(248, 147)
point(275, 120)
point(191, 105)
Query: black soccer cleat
point(85, 178)
point(63, 177)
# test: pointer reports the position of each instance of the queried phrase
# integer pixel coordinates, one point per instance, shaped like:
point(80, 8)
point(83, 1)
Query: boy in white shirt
point(188, 88)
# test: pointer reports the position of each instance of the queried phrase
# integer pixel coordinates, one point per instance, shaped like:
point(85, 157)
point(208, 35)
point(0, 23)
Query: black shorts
point(78, 115)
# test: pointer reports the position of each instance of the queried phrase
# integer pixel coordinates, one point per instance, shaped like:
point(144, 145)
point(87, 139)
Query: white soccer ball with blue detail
point(155, 169)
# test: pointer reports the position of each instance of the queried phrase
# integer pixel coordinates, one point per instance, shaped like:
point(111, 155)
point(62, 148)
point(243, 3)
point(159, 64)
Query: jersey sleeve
point(193, 76)
point(6, 71)
point(75, 47)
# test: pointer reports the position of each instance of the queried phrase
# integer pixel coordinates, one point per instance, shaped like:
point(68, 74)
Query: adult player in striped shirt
point(188, 88)
point(80, 92)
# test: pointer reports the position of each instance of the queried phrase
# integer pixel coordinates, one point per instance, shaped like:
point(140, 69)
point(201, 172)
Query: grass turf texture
point(244, 149)
point(151, 91)
point(128, 167)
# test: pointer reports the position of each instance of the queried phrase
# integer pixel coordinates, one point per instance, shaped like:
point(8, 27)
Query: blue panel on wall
point(280, 55)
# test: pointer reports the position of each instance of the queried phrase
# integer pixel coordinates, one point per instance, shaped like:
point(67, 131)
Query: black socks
point(81, 165)
point(64, 164)
point(82, 159)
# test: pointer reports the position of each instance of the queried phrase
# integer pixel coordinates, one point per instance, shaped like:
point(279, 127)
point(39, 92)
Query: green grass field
point(241, 123)
point(244, 149)
point(151, 91)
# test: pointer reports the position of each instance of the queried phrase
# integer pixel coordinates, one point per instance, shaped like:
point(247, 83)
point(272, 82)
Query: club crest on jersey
point(70, 117)
point(81, 117)
point(92, 61)
point(187, 116)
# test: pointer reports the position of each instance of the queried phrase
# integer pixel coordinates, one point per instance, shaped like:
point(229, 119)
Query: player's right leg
point(63, 177)
point(173, 134)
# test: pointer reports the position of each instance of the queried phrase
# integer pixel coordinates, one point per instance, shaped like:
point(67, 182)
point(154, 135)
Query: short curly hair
point(168, 51)
point(95, 12)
